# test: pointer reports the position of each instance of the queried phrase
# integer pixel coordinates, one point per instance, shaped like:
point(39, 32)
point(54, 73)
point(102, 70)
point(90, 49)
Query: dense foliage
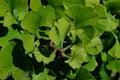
point(59, 39)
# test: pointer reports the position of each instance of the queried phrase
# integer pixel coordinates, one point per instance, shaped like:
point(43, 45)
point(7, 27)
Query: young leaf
point(63, 27)
point(28, 41)
point(3, 7)
point(10, 35)
point(35, 4)
point(77, 57)
point(43, 76)
point(84, 17)
point(31, 22)
point(94, 47)
point(39, 57)
point(47, 19)
point(115, 50)
point(9, 19)
point(85, 34)
point(54, 36)
point(19, 74)
point(114, 65)
point(6, 61)
point(91, 65)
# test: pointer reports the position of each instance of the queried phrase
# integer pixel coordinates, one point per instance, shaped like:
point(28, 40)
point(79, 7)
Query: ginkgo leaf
point(85, 34)
point(84, 17)
point(115, 50)
point(12, 34)
point(77, 57)
point(31, 22)
point(20, 5)
point(9, 19)
point(43, 76)
point(87, 76)
point(91, 65)
point(28, 42)
point(47, 19)
point(94, 47)
point(63, 27)
point(92, 2)
point(35, 4)
point(19, 74)
point(114, 65)
point(6, 60)
point(54, 36)
point(41, 58)
point(3, 7)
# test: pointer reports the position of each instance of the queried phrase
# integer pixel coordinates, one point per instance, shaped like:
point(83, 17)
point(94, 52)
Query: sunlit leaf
point(12, 34)
point(83, 16)
point(43, 76)
point(35, 4)
point(91, 65)
point(54, 36)
point(28, 42)
point(115, 50)
point(41, 58)
point(3, 7)
point(63, 27)
point(9, 19)
point(31, 22)
point(94, 47)
point(6, 61)
point(85, 34)
point(77, 57)
point(19, 74)
point(47, 18)
point(114, 65)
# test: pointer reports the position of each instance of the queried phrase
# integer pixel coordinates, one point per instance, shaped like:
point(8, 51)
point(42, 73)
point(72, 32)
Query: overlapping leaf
point(77, 57)
point(6, 60)
point(31, 22)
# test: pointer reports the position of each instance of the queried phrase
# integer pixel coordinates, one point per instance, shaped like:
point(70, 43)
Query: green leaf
point(83, 74)
point(92, 2)
point(101, 11)
point(104, 56)
point(9, 19)
point(103, 73)
point(19, 74)
point(91, 65)
point(115, 50)
point(54, 36)
point(3, 7)
point(82, 15)
point(75, 2)
point(77, 57)
point(85, 34)
point(20, 5)
point(31, 22)
point(110, 23)
point(19, 15)
point(6, 62)
point(63, 27)
point(28, 42)
point(43, 76)
point(12, 34)
point(114, 65)
point(94, 47)
point(35, 4)
point(47, 19)
point(58, 6)
point(41, 58)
